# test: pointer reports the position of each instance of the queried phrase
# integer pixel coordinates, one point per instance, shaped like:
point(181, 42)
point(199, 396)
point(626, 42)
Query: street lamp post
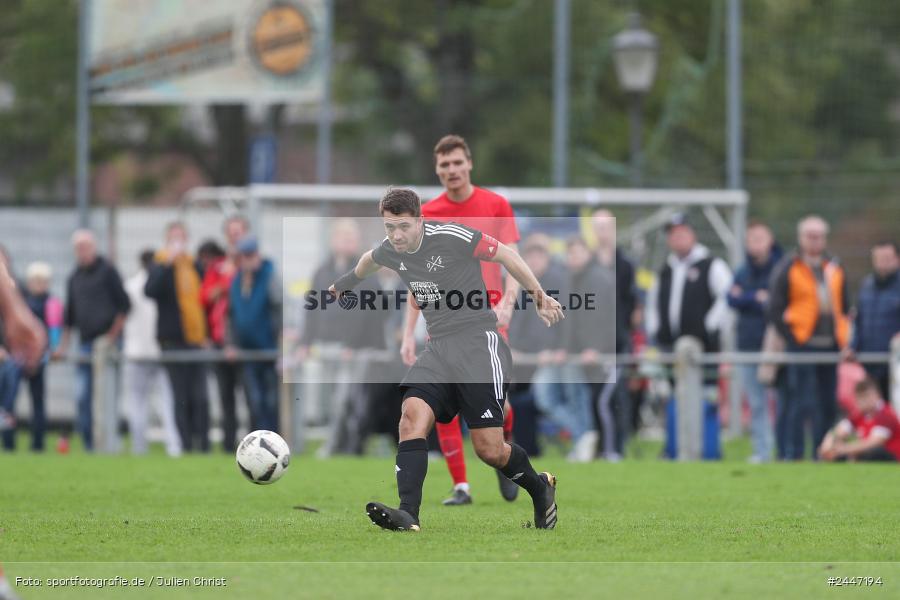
point(636, 53)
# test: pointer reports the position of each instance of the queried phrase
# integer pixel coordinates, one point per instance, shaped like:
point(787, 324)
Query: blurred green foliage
point(820, 99)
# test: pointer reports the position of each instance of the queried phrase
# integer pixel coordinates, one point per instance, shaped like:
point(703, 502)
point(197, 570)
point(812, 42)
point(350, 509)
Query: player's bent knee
point(416, 419)
point(409, 428)
point(492, 455)
point(489, 450)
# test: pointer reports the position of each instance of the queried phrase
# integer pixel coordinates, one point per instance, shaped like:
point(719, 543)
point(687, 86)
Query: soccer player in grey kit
point(466, 364)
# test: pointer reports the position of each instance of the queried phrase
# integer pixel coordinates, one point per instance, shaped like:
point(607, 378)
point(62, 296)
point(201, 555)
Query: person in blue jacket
point(255, 324)
point(749, 296)
point(878, 311)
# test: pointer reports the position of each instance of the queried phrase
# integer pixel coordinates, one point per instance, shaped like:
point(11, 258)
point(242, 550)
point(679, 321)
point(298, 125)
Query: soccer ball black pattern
point(263, 457)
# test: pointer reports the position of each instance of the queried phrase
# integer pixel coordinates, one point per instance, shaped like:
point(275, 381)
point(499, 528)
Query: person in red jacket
point(874, 424)
point(218, 271)
point(491, 213)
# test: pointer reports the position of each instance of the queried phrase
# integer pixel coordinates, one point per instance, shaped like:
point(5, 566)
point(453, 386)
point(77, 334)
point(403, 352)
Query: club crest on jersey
point(434, 264)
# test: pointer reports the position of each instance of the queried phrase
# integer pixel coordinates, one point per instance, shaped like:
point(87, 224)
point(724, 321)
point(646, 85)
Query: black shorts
point(463, 373)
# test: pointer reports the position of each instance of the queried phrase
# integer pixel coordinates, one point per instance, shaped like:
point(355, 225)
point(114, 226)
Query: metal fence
point(686, 364)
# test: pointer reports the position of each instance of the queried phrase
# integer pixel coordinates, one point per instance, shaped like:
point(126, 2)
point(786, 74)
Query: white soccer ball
point(263, 456)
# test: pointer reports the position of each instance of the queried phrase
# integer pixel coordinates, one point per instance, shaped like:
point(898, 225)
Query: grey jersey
point(444, 276)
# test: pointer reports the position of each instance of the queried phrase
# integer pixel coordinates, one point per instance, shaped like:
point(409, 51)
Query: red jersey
point(884, 422)
point(487, 212)
point(218, 277)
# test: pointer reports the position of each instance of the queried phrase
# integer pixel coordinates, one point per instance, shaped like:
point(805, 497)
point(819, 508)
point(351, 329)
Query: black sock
point(412, 465)
point(519, 469)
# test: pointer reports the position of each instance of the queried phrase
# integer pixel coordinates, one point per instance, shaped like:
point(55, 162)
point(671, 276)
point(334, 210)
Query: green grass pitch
point(636, 529)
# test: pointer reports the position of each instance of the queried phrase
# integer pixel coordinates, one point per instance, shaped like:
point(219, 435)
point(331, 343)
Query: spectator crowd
point(224, 302)
point(175, 306)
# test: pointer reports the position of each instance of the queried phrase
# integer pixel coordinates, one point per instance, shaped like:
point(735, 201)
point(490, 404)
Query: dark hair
point(449, 143)
point(399, 201)
point(866, 384)
point(146, 257)
point(883, 243)
point(211, 249)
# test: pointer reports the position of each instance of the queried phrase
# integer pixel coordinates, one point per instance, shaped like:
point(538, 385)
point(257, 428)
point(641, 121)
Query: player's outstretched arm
point(365, 267)
point(548, 308)
point(25, 336)
point(507, 303)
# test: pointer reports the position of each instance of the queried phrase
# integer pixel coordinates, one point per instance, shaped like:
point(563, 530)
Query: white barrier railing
point(688, 361)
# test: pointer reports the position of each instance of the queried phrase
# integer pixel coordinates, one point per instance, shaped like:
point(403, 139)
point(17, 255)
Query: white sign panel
point(184, 51)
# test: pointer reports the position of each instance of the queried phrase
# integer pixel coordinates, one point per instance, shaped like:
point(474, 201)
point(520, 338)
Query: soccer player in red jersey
point(486, 211)
point(874, 424)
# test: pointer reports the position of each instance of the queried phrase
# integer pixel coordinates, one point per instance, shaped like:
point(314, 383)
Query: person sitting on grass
point(875, 425)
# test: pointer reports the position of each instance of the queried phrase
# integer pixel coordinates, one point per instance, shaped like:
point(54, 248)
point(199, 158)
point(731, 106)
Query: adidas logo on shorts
point(487, 414)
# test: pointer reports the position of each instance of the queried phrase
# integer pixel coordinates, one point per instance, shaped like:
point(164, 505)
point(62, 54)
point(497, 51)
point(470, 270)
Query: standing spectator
point(561, 389)
point(235, 228)
point(255, 324)
point(878, 311)
point(48, 309)
point(331, 329)
point(611, 255)
point(380, 397)
point(96, 305)
point(218, 272)
point(371, 381)
point(527, 333)
point(140, 376)
point(343, 330)
point(749, 296)
point(590, 330)
point(215, 293)
point(174, 283)
point(334, 327)
point(612, 403)
point(808, 307)
point(689, 298)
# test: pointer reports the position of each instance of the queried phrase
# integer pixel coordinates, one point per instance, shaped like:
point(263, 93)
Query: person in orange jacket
point(808, 307)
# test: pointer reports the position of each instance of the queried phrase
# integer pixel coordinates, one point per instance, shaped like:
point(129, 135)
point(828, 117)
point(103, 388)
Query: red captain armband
point(486, 248)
